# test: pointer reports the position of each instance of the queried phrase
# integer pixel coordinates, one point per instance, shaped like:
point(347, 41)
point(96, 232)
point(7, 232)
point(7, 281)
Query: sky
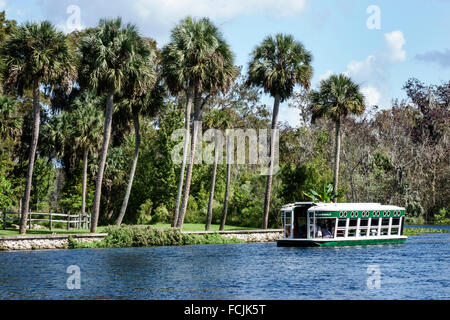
point(379, 43)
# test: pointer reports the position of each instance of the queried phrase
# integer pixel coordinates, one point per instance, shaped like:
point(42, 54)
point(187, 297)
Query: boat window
point(394, 231)
point(300, 227)
point(342, 223)
point(373, 231)
point(385, 221)
point(396, 221)
point(384, 231)
point(374, 222)
point(351, 233)
point(364, 222)
point(363, 232)
point(353, 222)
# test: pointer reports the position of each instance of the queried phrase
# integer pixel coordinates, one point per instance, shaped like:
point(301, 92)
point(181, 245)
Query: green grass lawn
point(186, 227)
point(201, 227)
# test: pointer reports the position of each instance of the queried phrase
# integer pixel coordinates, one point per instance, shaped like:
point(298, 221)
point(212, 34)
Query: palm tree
point(108, 53)
point(141, 98)
point(218, 120)
point(277, 65)
point(199, 61)
point(337, 97)
point(229, 154)
point(36, 54)
point(77, 130)
point(87, 127)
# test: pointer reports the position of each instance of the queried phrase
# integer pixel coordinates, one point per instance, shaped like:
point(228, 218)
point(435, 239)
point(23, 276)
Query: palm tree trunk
point(223, 221)
point(213, 184)
point(31, 156)
point(189, 103)
point(337, 158)
point(101, 166)
point(197, 119)
point(276, 107)
point(85, 167)
point(137, 137)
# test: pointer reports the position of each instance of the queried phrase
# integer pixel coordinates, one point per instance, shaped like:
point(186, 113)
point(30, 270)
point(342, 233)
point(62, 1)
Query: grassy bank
point(102, 229)
point(415, 231)
point(147, 236)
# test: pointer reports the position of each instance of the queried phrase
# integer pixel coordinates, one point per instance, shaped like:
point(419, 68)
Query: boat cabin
point(329, 224)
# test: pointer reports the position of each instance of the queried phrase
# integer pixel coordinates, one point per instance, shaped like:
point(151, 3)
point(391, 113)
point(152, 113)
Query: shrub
point(145, 212)
point(145, 236)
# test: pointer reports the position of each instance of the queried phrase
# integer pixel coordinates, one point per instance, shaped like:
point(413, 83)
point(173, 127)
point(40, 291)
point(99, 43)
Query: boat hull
point(334, 242)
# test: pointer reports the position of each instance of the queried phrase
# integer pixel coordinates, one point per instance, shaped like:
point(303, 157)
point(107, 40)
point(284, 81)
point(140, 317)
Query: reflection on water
point(418, 269)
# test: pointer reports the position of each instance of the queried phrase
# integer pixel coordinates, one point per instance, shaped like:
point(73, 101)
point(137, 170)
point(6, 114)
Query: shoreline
point(176, 237)
point(70, 241)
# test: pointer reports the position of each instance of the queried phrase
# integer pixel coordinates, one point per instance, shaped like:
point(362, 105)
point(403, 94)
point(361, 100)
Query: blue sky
point(412, 41)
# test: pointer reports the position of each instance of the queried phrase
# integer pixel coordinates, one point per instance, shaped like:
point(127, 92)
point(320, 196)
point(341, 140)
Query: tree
point(36, 54)
point(337, 97)
point(197, 60)
point(218, 120)
point(87, 121)
point(108, 59)
point(277, 65)
point(143, 99)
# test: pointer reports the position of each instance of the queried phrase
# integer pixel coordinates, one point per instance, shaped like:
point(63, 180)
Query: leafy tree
point(141, 98)
point(277, 65)
point(337, 97)
point(109, 58)
point(36, 54)
point(218, 120)
point(199, 59)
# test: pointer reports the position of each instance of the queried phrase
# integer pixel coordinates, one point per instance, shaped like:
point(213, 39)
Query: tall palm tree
point(229, 154)
point(199, 61)
point(141, 98)
point(107, 55)
point(218, 120)
point(337, 97)
point(87, 127)
point(36, 54)
point(277, 65)
point(75, 131)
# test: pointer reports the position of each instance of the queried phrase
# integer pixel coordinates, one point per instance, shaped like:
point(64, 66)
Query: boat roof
point(342, 206)
point(353, 207)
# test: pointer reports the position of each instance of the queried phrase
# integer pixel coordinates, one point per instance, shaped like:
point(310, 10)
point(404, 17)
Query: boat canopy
point(332, 207)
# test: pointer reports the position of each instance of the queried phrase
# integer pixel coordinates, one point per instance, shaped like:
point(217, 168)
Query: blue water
point(418, 269)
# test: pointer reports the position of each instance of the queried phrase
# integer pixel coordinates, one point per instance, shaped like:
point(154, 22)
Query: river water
point(418, 269)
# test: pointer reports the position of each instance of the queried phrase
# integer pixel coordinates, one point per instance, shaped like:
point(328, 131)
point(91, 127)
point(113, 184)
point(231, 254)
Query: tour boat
point(309, 224)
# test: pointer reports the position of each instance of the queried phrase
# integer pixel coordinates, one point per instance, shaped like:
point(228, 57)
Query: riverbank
point(148, 236)
point(136, 236)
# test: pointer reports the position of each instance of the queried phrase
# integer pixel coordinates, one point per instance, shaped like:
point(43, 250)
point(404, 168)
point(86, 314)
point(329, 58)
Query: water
point(418, 269)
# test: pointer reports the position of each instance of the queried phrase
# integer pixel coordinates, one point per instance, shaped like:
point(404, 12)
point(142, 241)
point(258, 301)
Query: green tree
point(36, 54)
point(219, 120)
point(109, 55)
point(277, 65)
point(87, 127)
point(337, 97)
point(142, 98)
point(197, 59)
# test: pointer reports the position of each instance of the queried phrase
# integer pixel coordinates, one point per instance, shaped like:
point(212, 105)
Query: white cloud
point(372, 95)
point(3, 4)
point(155, 17)
point(395, 42)
point(372, 73)
point(325, 75)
